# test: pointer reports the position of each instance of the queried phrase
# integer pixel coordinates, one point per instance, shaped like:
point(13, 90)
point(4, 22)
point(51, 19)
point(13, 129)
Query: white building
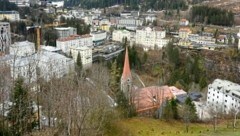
point(98, 37)
point(86, 40)
point(151, 38)
point(22, 49)
point(223, 96)
point(85, 53)
point(65, 43)
point(53, 65)
point(5, 37)
point(150, 18)
point(66, 31)
point(183, 22)
point(238, 40)
point(24, 67)
point(130, 23)
point(9, 15)
point(119, 35)
point(57, 4)
point(21, 3)
point(74, 41)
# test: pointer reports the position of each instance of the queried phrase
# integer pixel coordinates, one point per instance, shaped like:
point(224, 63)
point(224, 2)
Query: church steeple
point(126, 79)
point(126, 69)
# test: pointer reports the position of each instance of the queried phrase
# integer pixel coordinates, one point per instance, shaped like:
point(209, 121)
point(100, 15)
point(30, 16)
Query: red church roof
point(126, 69)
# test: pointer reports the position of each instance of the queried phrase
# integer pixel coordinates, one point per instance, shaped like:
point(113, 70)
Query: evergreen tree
point(115, 77)
point(79, 66)
point(21, 112)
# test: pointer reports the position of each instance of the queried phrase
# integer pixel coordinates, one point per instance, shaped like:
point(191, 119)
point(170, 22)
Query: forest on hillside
point(131, 4)
point(210, 15)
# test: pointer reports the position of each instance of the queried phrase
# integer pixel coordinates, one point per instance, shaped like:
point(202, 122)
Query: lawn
point(153, 127)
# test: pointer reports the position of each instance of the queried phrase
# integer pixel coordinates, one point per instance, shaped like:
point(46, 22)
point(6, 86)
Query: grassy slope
point(153, 127)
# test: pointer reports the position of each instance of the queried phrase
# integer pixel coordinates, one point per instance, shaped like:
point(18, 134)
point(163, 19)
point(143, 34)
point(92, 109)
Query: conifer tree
point(79, 62)
point(21, 112)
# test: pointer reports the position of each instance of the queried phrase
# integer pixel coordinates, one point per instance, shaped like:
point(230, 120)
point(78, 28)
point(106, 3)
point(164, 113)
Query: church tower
point(126, 79)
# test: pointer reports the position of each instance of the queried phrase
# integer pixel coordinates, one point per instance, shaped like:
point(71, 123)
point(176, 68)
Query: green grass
point(153, 127)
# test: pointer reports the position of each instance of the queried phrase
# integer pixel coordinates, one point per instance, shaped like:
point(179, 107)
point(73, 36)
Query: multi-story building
point(22, 49)
point(21, 3)
point(119, 35)
point(24, 67)
point(66, 31)
point(151, 37)
point(48, 64)
point(85, 53)
point(130, 23)
point(98, 37)
point(9, 15)
point(86, 40)
point(238, 40)
point(5, 37)
point(74, 41)
point(183, 22)
point(53, 65)
point(184, 32)
point(65, 43)
point(223, 96)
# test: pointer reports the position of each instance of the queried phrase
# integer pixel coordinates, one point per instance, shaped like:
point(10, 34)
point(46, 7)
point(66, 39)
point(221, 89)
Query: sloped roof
point(126, 69)
point(152, 97)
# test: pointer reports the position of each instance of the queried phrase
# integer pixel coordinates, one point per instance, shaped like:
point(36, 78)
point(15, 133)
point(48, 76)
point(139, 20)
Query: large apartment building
point(5, 37)
point(22, 49)
point(9, 15)
point(66, 31)
point(223, 96)
point(119, 35)
point(74, 41)
point(85, 53)
point(49, 65)
point(151, 37)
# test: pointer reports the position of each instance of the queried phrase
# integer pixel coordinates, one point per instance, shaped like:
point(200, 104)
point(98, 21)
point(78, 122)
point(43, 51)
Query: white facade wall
point(5, 37)
point(98, 36)
point(54, 65)
point(24, 68)
point(10, 15)
point(65, 45)
point(64, 32)
point(151, 38)
point(21, 3)
point(85, 53)
point(119, 35)
point(223, 96)
point(86, 40)
point(22, 49)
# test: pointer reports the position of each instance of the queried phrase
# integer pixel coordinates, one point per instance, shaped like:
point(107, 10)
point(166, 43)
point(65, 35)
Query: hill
point(233, 5)
point(153, 127)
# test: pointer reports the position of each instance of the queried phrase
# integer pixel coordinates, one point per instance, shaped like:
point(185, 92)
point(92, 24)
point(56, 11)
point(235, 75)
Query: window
point(225, 100)
point(226, 96)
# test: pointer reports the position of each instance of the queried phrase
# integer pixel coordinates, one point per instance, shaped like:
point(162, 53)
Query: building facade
point(74, 41)
point(22, 49)
point(223, 96)
point(85, 53)
point(9, 15)
point(119, 35)
point(21, 3)
point(130, 23)
point(5, 37)
point(66, 31)
point(151, 38)
point(98, 37)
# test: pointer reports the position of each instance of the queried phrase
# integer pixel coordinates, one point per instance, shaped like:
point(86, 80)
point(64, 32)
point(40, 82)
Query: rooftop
point(23, 43)
point(226, 85)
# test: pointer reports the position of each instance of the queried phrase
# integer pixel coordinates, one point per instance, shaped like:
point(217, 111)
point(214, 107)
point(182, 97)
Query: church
point(147, 100)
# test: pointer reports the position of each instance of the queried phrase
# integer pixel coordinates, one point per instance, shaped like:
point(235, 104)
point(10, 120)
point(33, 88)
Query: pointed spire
point(126, 69)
